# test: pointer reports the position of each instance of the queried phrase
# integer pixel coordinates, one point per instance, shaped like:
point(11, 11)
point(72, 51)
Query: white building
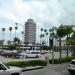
point(30, 31)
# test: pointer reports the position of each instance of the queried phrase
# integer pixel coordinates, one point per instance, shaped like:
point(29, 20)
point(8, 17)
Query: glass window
point(2, 67)
point(73, 62)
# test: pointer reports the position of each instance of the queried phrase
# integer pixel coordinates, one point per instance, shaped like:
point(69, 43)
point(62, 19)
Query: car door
point(3, 70)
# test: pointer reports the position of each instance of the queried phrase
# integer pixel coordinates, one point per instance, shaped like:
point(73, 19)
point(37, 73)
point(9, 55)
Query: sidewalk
point(32, 68)
point(41, 67)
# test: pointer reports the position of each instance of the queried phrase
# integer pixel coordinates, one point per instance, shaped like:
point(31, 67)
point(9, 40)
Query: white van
point(31, 54)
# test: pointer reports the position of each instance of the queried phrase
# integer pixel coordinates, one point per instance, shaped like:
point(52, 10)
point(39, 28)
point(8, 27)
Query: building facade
point(30, 31)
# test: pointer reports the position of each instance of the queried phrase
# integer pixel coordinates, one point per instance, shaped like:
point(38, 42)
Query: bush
point(26, 63)
point(62, 60)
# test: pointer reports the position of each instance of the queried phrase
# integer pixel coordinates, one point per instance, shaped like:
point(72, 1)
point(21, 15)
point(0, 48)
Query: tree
point(60, 32)
point(45, 35)
point(3, 29)
point(10, 29)
point(17, 40)
point(41, 36)
point(22, 36)
point(71, 42)
point(15, 30)
point(68, 31)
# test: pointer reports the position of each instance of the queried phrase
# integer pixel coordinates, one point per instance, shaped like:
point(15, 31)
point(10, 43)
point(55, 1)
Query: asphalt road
point(50, 70)
point(56, 55)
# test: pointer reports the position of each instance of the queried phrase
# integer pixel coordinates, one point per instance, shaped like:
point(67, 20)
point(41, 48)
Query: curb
point(41, 67)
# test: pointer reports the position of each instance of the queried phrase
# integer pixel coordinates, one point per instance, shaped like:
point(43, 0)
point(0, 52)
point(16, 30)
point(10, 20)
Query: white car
point(7, 70)
point(31, 54)
point(71, 66)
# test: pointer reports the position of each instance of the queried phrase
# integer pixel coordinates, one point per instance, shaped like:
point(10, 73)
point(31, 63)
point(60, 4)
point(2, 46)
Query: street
point(60, 69)
point(56, 55)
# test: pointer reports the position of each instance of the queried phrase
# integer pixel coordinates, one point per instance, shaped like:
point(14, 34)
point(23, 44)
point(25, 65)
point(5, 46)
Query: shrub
point(62, 60)
point(26, 63)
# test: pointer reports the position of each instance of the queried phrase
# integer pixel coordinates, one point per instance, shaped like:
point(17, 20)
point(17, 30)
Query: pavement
point(55, 69)
point(32, 68)
point(41, 67)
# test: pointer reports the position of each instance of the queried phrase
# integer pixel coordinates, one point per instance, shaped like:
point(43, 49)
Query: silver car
point(5, 70)
point(71, 66)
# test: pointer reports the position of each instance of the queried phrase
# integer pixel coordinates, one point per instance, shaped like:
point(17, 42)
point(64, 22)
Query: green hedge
point(62, 60)
point(26, 63)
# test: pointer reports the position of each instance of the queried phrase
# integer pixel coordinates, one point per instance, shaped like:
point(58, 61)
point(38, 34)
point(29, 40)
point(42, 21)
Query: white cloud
point(44, 12)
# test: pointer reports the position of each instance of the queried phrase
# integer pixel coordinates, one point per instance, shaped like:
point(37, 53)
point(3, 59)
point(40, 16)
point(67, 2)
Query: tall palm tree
point(41, 30)
point(15, 30)
point(60, 33)
point(41, 36)
point(10, 29)
point(3, 29)
point(22, 37)
point(45, 35)
point(68, 30)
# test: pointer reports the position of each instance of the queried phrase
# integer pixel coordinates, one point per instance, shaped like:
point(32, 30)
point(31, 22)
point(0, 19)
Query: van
point(31, 54)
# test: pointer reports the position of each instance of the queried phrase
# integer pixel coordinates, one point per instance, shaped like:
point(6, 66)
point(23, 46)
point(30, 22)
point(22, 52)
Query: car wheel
point(15, 74)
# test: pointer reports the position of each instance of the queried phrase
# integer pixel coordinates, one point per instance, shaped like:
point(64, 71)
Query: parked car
point(71, 66)
point(9, 53)
point(31, 54)
point(42, 51)
point(7, 70)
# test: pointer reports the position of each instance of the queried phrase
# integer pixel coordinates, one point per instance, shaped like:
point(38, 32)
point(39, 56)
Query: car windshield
point(7, 66)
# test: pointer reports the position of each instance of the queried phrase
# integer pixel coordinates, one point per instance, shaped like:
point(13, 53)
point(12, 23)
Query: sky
point(46, 14)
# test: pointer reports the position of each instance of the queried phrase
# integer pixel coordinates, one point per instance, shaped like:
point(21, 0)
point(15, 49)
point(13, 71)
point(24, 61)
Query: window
point(73, 62)
point(2, 67)
point(34, 52)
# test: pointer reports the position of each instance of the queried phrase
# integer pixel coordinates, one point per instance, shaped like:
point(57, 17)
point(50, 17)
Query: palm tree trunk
point(60, 46)
point(3, 40)
point(15, 33)
point(10, 36)
point(3, 36)
point(67, 46)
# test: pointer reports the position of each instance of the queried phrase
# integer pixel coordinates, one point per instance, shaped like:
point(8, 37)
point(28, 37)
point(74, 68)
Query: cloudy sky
point(46, 13)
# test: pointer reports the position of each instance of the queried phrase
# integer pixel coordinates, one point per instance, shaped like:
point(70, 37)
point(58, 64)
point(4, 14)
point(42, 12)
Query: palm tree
point(45, 35)
point(71, 41)
point(10, 29)
point(22, 37)
point(22, 33)
point(60, 33)
point(68, 30)
point(15, 30)
point(41, 36)
point(3, 29)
